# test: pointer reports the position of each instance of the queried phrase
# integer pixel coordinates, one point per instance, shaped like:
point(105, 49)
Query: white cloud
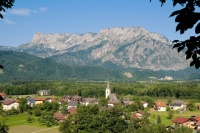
point(21, 12)
point(43, 9)
point(27, 12)
point(8, 21)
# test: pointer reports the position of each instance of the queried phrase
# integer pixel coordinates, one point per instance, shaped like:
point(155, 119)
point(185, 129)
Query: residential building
point(188, 122)
point(160, 106)
point(52, 99)
point(72, 104)
point(59, 116)
point(30, 101)
point(126, 101)
point(76, 98)
point(176, 106)
point(45, 92)
point(9, 104)
point(66, 98)
point(40, 100)
point(71, 111)
point(145, 104)
point(89, 101)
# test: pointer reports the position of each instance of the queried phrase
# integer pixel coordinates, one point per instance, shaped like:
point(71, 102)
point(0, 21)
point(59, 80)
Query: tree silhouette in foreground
point(186, 18)
point(5, 4)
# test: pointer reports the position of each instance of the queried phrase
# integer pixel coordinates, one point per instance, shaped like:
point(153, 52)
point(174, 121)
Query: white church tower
point(108, 90)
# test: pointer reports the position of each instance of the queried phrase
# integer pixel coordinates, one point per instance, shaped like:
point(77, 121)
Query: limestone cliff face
point(125, 47)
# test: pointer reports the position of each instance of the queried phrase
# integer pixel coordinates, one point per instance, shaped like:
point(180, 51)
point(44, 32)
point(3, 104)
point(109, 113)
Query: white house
point(9, 104)
point(144, 104)
point(45, 92)
point(160, 106)
point(90, 101)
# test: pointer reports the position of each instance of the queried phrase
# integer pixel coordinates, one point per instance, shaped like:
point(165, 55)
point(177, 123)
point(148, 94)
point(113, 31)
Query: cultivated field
point(163, 115)
point(32, 129)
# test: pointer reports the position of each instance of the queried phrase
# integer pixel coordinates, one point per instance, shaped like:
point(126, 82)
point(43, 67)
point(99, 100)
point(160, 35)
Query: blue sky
point(80, 16)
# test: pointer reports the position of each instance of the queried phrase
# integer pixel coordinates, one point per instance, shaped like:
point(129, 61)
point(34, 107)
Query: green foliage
point(170, 114)
point(187, 18)
point(133, 107)
point(104, 102)
point(159, 119)
point(3, 127)
point(183, 129)
point(191, 106)
point(147, 92)
point(37, 112)
point(29, 119)
point(23, 106)
point(30, 68)
point(90, 119)
point(5, 4)
point(12, 111)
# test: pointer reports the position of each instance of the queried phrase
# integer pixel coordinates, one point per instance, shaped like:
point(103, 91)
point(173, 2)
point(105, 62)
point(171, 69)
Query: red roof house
point(179, 120)
point(58, 116)
point(160, 106)
point(71, 111)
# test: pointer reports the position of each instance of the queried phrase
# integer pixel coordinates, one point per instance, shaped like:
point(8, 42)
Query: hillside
point(22, 66)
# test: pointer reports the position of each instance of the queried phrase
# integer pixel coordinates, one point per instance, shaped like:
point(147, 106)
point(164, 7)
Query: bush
point(37, 112)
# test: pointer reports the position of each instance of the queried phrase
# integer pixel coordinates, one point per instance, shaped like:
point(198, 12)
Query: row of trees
point(190, 90)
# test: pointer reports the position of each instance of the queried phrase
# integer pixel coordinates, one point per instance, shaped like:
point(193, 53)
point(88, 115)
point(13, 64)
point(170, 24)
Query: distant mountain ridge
point(117, 47)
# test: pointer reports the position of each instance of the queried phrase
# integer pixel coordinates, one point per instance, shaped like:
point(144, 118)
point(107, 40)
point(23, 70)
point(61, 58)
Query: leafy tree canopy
point(5, 4)
point(187, 18)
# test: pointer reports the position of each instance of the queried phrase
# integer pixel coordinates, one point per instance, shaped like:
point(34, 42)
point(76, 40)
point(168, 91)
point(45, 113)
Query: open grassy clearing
point(164, 114)
point(32, 129)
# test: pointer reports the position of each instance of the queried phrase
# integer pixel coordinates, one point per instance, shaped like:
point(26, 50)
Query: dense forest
point(21, 66)
point(181, 90)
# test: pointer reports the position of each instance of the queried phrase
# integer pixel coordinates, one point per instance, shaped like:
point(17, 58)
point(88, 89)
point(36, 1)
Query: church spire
point(108, 90)
point(108, 87)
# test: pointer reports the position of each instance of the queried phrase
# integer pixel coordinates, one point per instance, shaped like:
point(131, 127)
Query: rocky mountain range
point(130, 47)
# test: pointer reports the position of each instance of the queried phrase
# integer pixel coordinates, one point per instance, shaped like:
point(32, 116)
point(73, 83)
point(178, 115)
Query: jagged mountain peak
point(127, 47)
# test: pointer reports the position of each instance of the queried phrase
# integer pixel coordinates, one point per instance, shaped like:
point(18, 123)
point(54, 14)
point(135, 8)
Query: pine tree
point(159, 119)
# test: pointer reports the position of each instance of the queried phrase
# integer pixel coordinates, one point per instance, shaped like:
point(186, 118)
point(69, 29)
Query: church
point(112, 98)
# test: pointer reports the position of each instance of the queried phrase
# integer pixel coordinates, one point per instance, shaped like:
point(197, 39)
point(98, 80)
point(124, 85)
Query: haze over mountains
point(117, 47)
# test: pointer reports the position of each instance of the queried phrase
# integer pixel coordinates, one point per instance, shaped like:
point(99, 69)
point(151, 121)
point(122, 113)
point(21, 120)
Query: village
point(72, 102)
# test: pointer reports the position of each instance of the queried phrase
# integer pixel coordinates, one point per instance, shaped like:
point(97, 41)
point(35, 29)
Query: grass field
point(164, 114)
point(32, 129)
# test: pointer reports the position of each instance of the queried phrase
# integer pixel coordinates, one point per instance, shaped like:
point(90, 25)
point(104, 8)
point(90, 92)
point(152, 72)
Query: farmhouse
point(59, 116)
point(39, 100)
point(71, 111)
point(89, 101)
point(188, 122)
point(160, 106)
point(9, 104)
point(45, 92)
point(30, 101)
point(72, 104)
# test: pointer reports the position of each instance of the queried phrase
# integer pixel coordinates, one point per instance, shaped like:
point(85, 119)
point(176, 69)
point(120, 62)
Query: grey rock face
point(125, 47)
